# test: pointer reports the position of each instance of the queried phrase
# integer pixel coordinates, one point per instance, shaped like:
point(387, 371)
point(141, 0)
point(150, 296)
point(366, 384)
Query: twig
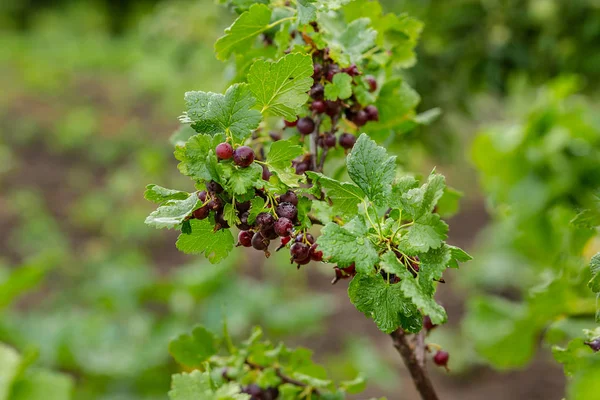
point(284, 378)
point(418, 372)
point(420, 348)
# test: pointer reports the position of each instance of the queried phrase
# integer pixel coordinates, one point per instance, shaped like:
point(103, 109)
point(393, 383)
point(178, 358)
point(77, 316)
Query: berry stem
point(417, 371)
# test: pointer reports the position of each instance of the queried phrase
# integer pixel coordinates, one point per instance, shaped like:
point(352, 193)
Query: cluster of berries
point(257, 393)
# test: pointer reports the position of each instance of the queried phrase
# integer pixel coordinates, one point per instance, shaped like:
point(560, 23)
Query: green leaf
point(449, 203)
point(428, 232)
point(10, 362)
point(232, 113)
point(307, 11)
point(257, 205)
point(587, 219)
point(384, 303)
point(282, 152)
point(281, 87)
point(239, 180)
point(410, 287)
point(172, 213)
point(458, 255)
point(344, 196)
point(354, 386)
point(418, 201)
point(348, 244)
point(203, 240)
point(195, 348)
point(159, 194)
point(432, 266)
point(340, 87)
point(20, 281)
point(241, 34)
point(348, 46)
point(192, 386)
point(195, 154)
point(594, 283)
point(371, 169)
point(396, 102)
point(230, 215)
point(39, 384)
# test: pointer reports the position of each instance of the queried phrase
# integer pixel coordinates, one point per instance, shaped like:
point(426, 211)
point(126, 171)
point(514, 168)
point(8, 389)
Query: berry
point(318, 106)
point(299, 251)
point(352, 70)
point(275, 136)
point(427, 324)
point(202, 195)
point(331, 71)
point(215, 204)
point(214, 187)
point(302, 168)
point(245, 239)
point(316, 255)
point(594, 344)
point(241, 207)
point(287, 210)
point(252, 390)
point(290, 124)
point(317, 70)
point(302, 262)
point(224, 151)
point(372, 113)
point(270, 234)
point(309, 238)
point(259, 242)
point(243, 156)
point(265, 221)
point(266, 174)
point(285, 240)
point(317, 91)
point(220, 221)
point(372, 83)
point(329, 140)
point(271, 393)
point(360, 118)
point(441, 358)
point(333, 108)
point(244, 225)
point(347, 140)
point(283, 226)
point(201, 212)
point(305, 125)
point(289, 197)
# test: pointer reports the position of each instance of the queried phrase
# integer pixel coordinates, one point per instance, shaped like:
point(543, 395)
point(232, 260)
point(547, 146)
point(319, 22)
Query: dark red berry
point(283, 227)
point(215, 204)
point(202, 195)
point(290, 124)
point(329, 140)
point(224, 151)
point(315, 255)
point(594, 344)
point(241, 207)
point(372, 83)
point(305, 125)
point(252, 390)
point(317, 70)
point(427, 324)
point(299, 251)
point(287, 210)
point(270, 233)
point(302, 262)
point(243, 156)
point(360, 118)
point(275, 136)
point(259, 242)
point(331, 71)
point(265, 221)
point(352, 70)
point(318, 106)
point(220, 221)
point(244, 225)
point(372, 113)
point(347, 140)
point(333, 108)
point(317, 91)
point(266, 174)
point(245, 239)
point(201, 212)
point(302, 167)
point(214, 187)
point(289, 197)
point(305, 237)
point(441, 358)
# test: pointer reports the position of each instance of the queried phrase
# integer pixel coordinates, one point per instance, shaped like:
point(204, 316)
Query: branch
point(284, 378)
point(417, 371)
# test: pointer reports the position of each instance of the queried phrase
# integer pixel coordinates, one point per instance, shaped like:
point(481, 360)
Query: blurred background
point(91, 91)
